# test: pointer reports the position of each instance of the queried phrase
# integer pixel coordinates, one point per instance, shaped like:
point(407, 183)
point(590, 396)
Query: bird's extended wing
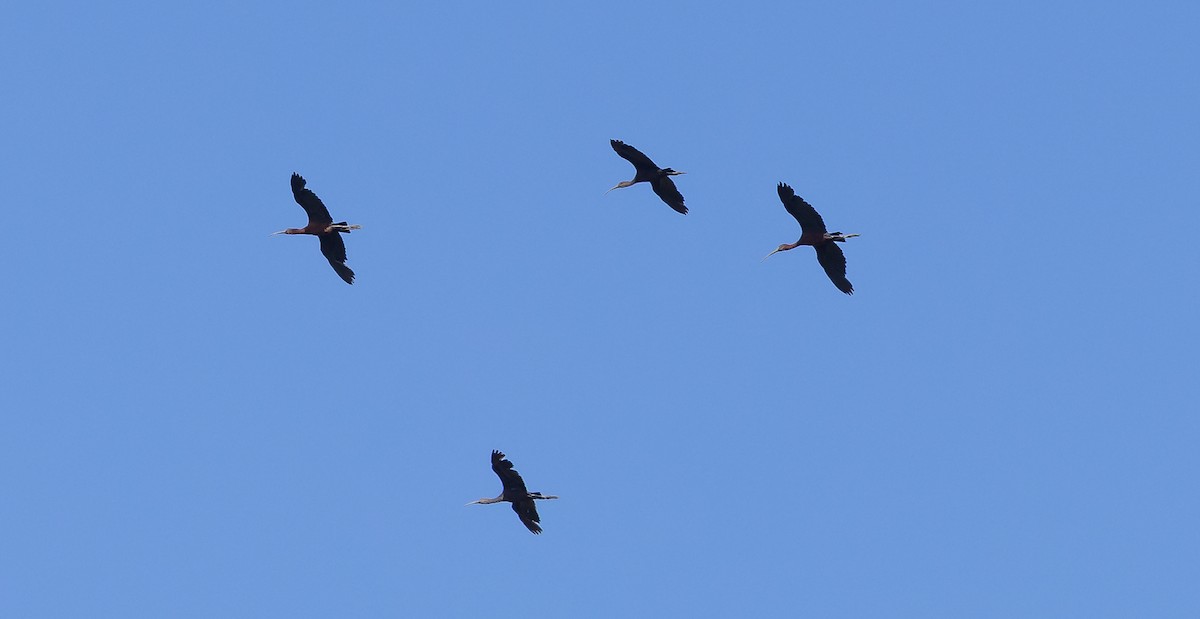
point(317, 213)
point(334, 250)
point(509, 477)
point(808, 217)
point(665, 188)
point(633, 155)
point(834, 262)
point(527, 512)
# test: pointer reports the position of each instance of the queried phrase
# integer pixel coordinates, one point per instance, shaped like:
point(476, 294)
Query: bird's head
point(783, 247)
point(620, 185)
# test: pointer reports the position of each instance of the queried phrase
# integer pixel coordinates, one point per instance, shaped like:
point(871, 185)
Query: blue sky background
point(204, 421)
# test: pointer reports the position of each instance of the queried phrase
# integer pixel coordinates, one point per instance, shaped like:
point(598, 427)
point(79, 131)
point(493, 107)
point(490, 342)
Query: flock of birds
point(812, 228)
point(812, 233)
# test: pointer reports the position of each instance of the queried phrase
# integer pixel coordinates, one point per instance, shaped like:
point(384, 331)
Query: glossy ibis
point(514, 492)
point(648, 172)
point(321, 225)
point(813, 232)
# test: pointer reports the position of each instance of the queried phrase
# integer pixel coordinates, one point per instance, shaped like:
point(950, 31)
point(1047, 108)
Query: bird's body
point(649, 172)
point(814, 233)
point(515, 492)
point(322, 226)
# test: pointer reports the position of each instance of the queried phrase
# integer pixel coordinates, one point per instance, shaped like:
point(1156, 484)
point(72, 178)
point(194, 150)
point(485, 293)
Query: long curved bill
point(274, 233)
point(617, 186)
point(769, 255)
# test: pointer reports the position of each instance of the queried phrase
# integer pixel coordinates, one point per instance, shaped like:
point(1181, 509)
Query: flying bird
point(813, 232)
point(515, 493)
point(321, 225)
point(648, 172)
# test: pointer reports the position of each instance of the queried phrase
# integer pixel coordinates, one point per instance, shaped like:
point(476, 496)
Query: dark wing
point(514, 486)
point(335, 251)
point(634, 156)
point(527, 512)
point(665, 188)
point(810, 220)
point(312, 204)
point(834, 262)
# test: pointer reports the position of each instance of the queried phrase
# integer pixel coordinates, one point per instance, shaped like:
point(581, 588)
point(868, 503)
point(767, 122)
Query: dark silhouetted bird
point(514, 492)
point(321, 225)
point(812, 232)
point(648, 172)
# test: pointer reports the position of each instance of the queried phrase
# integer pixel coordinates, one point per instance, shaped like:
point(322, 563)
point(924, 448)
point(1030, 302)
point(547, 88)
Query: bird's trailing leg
point(539, 495)
point(342, 226)
point(839, 237)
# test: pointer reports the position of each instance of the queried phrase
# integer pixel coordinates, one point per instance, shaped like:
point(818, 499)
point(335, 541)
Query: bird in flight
point(321, 225)
point(648, 172)
point(813, 232)
point(514, 492)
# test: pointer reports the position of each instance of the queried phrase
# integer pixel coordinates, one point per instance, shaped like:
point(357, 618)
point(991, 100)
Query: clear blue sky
point(201, 420)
